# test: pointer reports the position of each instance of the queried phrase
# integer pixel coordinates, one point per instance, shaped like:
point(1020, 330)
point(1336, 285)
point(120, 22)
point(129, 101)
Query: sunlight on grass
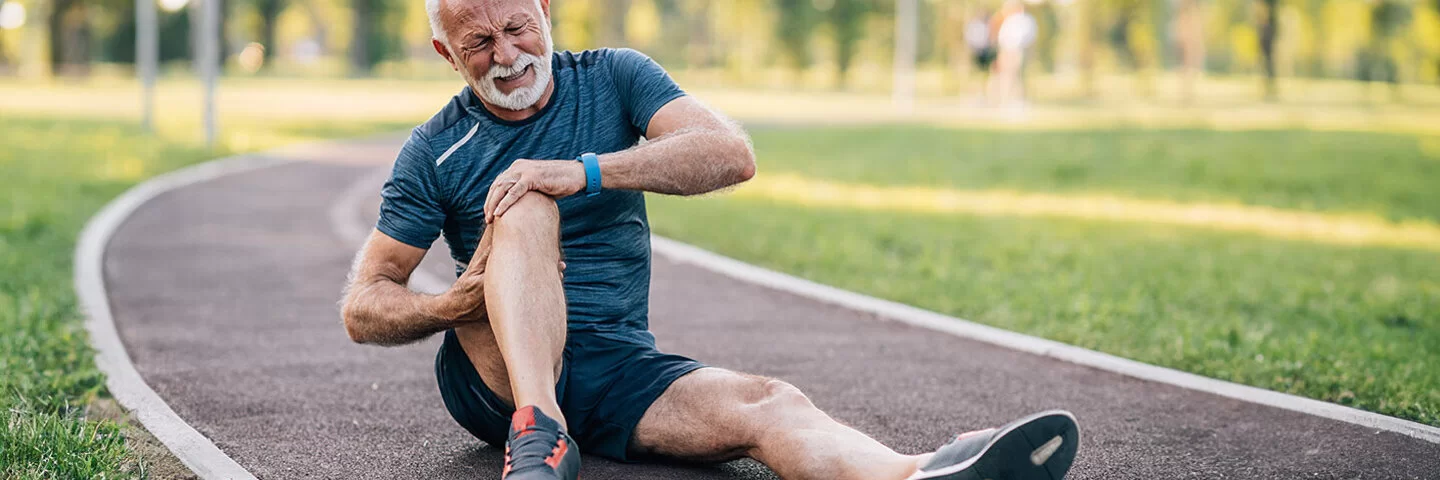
point(1327, 228)
point(247, 101)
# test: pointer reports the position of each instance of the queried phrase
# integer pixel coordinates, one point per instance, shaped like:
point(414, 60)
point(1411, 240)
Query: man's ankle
point(551, 411)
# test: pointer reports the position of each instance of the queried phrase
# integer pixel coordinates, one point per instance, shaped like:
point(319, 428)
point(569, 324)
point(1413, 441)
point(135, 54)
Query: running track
point(224, 293)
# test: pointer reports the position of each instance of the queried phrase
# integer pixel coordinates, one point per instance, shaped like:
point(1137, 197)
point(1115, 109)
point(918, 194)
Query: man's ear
point(545, 8)
point(444, 52)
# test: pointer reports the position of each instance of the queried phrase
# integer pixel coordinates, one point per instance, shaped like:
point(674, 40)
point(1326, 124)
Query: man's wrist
point(590, 162)
point(439, 307)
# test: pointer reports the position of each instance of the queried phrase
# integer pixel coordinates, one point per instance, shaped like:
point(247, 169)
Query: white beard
point(523, 97)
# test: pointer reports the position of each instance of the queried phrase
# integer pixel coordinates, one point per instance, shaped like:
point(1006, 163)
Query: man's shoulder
point(599, 58)
point(447, 124)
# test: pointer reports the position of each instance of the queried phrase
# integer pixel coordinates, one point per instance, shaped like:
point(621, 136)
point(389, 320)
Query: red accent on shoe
point(523, 419)
point(557, 454)
point(506, 471)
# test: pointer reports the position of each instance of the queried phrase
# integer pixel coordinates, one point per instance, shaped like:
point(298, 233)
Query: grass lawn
point(1355, 324)
point(58, 172)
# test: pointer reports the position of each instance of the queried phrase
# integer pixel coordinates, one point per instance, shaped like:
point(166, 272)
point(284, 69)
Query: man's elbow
point(745, 160)
point(354, 321)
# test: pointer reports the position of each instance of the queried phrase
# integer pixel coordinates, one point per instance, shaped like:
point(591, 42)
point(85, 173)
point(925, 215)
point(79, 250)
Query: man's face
point(501, 48)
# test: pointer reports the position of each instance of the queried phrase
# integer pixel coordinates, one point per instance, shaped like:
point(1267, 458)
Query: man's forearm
point(384, 312)
point(686, 162)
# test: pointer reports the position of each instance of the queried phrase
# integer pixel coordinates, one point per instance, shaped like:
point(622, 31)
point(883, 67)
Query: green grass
point(1393, 175)
point(1353, 325)
point(58, 172)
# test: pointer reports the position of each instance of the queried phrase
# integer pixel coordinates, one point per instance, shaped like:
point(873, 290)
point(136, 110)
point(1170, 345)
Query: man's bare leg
point(525, 302)
point(714, 414)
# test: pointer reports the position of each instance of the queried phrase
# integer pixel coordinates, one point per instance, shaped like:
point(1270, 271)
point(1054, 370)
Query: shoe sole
point(1038, 447)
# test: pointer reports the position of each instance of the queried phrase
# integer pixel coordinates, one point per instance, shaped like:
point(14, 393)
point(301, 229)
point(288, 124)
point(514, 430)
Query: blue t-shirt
point(602, 103)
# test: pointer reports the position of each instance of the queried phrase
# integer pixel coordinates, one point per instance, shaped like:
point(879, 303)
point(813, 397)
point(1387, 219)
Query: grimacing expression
point(501, 47)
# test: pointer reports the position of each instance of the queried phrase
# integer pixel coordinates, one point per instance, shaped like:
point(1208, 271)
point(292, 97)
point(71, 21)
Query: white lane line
point(346, 222)
point(124, 382)
point(902, 313)
point(349, 225)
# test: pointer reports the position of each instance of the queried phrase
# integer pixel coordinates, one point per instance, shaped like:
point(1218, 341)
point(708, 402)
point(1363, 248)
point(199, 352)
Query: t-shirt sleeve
point(643, 86)
point(410, 208)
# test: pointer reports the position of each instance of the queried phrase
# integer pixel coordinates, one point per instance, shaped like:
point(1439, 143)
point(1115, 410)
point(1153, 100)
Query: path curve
point(223, 292)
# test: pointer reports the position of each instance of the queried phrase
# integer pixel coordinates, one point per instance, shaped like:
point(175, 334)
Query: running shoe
point(1038, 447)
point(538, 449)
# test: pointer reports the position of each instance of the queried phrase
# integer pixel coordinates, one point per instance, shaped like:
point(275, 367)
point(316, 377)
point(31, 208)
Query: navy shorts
point(607, 382)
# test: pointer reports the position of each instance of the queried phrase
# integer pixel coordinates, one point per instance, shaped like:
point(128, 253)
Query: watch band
point(592, 173)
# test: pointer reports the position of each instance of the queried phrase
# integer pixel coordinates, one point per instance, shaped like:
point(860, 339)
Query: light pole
point(210, 62)
point(147, 54)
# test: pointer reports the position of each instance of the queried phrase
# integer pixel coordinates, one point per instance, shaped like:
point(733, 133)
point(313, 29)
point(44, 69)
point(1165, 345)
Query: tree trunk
point(1269, 29)
point(847, 17)
point(269, 16)
point(364, 11)
point(69, 38)
point(4, 60)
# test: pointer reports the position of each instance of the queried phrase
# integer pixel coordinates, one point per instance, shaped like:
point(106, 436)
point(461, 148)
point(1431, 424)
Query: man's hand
point(464, 302)
point(556, 178)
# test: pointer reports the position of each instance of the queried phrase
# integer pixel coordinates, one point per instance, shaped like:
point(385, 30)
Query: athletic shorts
point(607, 382)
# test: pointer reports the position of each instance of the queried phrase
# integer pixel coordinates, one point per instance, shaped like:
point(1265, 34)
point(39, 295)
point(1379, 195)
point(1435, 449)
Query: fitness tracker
point(592, 173)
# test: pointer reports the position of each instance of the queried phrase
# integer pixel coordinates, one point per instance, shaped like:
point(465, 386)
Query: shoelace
point(521, 450)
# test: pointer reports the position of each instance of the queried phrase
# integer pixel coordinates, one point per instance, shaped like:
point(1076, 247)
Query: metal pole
point(210, 63)
point(147, 53)
point(906, 26)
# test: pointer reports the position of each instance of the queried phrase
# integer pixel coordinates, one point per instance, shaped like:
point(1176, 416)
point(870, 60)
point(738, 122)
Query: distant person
point(1012, 31)
point(977, 37)
point(536, 160)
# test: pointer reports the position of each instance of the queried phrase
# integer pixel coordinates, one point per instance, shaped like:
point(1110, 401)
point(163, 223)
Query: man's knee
point(771, 394)
point(532, 222)
point(532, 210)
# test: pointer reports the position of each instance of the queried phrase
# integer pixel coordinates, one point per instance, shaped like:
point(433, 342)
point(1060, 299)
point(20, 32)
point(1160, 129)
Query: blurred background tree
point(843, 44)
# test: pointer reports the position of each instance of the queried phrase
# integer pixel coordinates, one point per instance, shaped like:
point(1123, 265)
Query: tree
point(847, 19)
point(1134, 41)
point(269, 11)
point(1388, 18)
point(793, 30)
point(376, 35)
point(69, 26)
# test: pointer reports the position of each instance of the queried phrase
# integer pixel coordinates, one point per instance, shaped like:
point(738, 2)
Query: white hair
point(437, 31)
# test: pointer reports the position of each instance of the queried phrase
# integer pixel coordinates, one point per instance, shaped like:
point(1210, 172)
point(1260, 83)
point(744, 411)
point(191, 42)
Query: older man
point(537, 160)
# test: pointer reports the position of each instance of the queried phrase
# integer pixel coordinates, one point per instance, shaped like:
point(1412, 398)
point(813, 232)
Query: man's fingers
point(492, 198)
point(481, 256)
point(498, 190)
point(513, 195)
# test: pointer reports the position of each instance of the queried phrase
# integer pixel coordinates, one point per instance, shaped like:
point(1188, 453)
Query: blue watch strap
point(592, 173)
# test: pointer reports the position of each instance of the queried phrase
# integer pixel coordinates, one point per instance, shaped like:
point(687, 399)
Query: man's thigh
point(714, 415)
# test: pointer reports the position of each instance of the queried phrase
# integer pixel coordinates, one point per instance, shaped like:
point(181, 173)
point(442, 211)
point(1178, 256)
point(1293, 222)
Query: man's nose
point(505, 52)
